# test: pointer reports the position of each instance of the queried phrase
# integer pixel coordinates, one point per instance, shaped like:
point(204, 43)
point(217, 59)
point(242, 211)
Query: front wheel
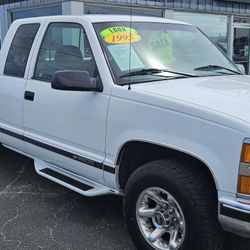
point(169, 206)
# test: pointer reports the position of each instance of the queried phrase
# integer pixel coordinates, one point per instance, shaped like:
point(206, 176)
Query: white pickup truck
point(150, 109)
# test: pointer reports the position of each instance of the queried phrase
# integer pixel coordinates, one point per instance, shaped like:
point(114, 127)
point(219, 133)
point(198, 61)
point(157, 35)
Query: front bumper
point(234, 217)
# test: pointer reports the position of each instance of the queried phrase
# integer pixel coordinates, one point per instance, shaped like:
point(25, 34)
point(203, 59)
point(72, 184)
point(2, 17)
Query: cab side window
point(20, 49)
point(64, 47)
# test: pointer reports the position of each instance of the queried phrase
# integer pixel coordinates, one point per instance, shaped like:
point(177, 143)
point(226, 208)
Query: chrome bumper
point(234, 217)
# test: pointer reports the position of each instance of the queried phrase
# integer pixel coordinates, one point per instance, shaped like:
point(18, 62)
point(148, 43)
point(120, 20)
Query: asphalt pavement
point(37, 214)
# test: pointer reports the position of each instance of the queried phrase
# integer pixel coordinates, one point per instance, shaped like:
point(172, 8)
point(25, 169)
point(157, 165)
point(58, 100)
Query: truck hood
point(229, 95)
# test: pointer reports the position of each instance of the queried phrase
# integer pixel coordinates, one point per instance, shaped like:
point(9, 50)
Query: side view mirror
point(75, 80)
point(241, 68)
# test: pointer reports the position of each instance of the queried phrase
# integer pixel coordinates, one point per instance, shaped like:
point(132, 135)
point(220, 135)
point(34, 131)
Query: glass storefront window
point(0, 37)
point(108, 9)
point(215, 26)
point(241, 47)
point(238, 19)
point(36, 12)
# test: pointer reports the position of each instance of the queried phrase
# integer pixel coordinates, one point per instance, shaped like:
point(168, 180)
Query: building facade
point(227, 22)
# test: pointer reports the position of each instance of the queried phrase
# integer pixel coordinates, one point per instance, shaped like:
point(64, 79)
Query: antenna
point(130, 43)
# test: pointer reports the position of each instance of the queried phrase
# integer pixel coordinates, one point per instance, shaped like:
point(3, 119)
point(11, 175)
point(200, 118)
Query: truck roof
point(101, 18)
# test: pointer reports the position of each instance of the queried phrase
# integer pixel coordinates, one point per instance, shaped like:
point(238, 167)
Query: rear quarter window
point(20, 49)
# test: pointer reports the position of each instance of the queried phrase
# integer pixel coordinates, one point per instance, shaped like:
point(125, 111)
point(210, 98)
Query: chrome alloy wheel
point(160, 219)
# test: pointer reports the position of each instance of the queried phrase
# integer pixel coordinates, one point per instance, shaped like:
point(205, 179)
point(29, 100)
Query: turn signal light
point(245, 155)
point(244, 184)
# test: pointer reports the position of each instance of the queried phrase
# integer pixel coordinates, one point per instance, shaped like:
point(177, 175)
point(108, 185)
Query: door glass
point(241, 47)
point(20, 49)
point(65, 47)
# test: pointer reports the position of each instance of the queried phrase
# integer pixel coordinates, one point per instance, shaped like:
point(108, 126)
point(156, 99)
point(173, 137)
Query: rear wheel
point(169, 206)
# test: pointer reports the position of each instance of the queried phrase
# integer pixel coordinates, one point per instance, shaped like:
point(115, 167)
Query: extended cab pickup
point(151, 110)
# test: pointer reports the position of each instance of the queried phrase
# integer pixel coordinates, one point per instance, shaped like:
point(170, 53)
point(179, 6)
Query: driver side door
point(65, 128)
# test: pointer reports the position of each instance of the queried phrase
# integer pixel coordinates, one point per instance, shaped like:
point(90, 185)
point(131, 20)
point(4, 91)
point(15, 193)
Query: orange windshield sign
point(120, 35)
point(122, 38)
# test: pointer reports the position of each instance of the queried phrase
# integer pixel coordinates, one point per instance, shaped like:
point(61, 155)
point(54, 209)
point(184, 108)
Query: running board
point(70, 180)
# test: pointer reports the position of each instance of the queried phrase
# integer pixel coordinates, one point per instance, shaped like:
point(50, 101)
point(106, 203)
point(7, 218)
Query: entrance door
point(241, 47)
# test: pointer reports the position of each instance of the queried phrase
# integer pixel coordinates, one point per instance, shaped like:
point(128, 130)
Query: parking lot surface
point(36, 213)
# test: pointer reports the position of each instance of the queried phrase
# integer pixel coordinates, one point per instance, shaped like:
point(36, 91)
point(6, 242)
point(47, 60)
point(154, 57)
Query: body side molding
point(65, 153)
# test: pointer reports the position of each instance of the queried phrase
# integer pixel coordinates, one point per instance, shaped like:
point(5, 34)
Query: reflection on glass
point(160, 46)
point(65, 47)
point(241, 47)
point(215, 26)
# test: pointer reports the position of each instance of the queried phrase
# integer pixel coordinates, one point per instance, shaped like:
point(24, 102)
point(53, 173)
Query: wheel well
point(135, 154)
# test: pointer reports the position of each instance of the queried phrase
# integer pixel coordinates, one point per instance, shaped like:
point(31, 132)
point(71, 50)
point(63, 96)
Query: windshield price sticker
point(120, 35)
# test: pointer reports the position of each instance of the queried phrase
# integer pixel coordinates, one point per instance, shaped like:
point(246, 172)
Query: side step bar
point(65, 179)
point(70, 180)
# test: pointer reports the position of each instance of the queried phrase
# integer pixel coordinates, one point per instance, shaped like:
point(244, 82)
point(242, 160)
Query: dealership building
point(227, 22)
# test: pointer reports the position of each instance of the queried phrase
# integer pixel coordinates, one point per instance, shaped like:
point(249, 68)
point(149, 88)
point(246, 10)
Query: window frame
point(29, 54)
point(42, 41)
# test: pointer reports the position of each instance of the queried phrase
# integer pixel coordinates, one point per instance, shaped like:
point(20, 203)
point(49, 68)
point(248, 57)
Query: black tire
point(193, 191)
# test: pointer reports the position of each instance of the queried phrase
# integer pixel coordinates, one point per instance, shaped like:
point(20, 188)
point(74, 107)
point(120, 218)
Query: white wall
point(73, 8)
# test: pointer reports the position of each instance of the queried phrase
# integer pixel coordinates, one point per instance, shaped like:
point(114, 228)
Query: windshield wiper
point(152, 71)
point(216, 67)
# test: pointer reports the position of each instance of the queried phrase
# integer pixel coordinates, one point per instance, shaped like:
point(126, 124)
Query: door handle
point(29, 96)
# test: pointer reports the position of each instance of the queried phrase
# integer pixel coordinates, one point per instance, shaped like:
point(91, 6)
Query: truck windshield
point(172, 50)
